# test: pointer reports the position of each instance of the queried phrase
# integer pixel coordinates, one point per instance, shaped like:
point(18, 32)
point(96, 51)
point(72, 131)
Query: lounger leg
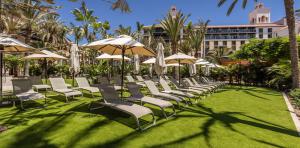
point(138, 124)
point(164, 113)
point(67, 99)
point(21, 104)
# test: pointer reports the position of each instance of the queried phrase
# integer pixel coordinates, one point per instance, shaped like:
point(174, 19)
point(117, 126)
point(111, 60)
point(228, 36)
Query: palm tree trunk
point(290, 16)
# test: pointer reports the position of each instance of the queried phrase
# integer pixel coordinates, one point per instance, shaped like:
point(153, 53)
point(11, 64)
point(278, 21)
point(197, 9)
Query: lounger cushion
point(41, 86)
point(30, 95)
point(91, 89)
point(158, 102)
point(164, 95)
point(68, 92)
point(131, 108)
point(180, 93)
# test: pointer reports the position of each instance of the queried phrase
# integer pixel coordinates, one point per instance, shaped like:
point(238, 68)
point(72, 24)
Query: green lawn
point(232, 117)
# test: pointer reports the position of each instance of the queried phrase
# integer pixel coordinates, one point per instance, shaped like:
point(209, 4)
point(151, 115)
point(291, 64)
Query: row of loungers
point(191, 88)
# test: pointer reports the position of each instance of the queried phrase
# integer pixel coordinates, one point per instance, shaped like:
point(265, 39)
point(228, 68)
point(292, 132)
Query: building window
point(270, 30)
point(260, 30)
point(261, 36)
point(207, 43)
point(225, 43)
point(216, 43)
point(242, 42)
point(269, 35)
point(233, 43)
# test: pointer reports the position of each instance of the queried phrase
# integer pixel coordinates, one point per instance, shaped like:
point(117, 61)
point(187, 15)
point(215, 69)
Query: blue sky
point(149, 12)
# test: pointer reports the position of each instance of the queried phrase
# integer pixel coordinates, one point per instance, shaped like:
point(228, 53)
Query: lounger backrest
point(21, 85)
point(194, 81)
point(188, 82)
point(140, 78)
point(108, 93)
point(117, 80)
point(58, 83)
point(134, 90)
point(151, 86)
point(36, 80)
point(82, 82)
point(164, 84)
point(103, 80)
point(7, 83)
point(174, 82)
point(130, 79)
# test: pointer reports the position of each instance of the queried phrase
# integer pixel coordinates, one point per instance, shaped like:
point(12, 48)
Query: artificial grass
point(233, 117)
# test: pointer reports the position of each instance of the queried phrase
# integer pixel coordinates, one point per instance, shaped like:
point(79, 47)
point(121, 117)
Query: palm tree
point(32, 12)
point(78, 33)
point(84, 15)
point(104, 28)
point(123, 30)
point(196, 36)
point(216, 55)
point(116, 4)
point(290, 16)
point(173, 25)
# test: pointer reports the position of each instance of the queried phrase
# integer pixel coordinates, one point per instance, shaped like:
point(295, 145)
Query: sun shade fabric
point(74, 59)
point(46, 54)
point(150, 61)
point(106, 56)
point(14, 45)
point(160, 60)
point(114, 46)
point(180, 57)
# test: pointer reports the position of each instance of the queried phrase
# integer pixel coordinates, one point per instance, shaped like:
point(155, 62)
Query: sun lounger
point(187, 89)
point(112, 100)
point(83, 83)
point(22, 89)
point(187, 82)
point(37, 83)
point(131, 79)
point(7, 87)
point(59, 86)
point(168, 89)
point(212, 87)
point(140, 78)
point(137, 95)
point(156, 93)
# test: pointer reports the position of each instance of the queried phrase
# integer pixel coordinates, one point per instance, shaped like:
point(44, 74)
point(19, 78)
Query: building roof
point(260, 8)
point(247, 25)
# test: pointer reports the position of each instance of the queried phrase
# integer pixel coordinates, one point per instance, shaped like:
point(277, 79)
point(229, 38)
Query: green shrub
point(296, 96)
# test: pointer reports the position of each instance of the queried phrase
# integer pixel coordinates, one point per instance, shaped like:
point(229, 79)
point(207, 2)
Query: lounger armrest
point(165, 91)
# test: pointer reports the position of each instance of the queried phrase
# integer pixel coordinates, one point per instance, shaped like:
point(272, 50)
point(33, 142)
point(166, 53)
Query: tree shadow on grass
point(254, 95)
point(227, 119)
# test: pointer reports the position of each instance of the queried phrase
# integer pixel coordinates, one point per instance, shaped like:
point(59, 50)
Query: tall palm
point(173, 26)
point(196, 36)
point(290, 16)
point(11, 20)
point(216, 55)
point(52, 32)
point(105, 27)
point(123, 30)
point(116, 5)
point(32, 12)
point(84, 15)
point(78, 33)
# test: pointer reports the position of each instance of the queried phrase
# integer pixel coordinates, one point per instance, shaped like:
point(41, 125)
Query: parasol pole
point(179, 71)
point(1, 67)
point(122, 77)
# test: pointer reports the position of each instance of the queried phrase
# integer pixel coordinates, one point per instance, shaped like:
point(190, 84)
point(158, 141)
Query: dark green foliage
point(269, 63)
point(296, 96)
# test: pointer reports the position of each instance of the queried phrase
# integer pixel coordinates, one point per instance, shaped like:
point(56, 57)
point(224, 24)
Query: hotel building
point(234, 36)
